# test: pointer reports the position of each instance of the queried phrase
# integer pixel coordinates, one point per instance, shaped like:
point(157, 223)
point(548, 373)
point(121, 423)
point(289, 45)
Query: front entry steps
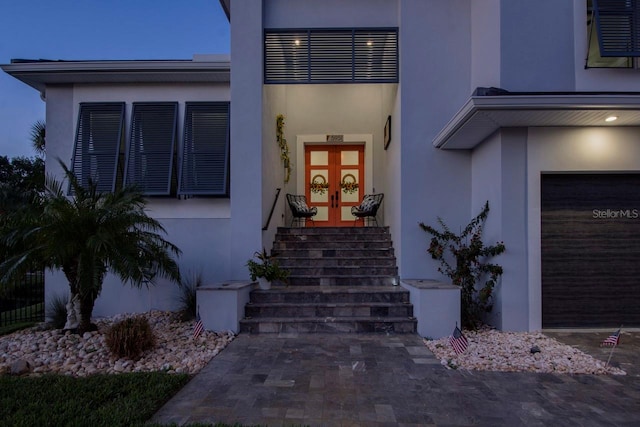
point(329, 309)
point(342, 281)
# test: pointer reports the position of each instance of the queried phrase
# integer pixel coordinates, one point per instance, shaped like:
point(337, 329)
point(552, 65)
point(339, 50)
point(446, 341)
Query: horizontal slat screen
point(205, 154)
point(97, 144)
point(331, 56)
point(617, 23)
point(151, 147)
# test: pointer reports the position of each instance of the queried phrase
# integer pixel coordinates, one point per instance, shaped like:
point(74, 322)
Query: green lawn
point(100, 400)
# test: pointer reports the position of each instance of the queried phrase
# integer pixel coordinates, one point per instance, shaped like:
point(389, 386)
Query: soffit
point(481, 116)
point(38, 74)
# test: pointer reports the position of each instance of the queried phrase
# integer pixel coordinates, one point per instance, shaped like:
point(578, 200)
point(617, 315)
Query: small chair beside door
point(368, 208)
point(299, 209)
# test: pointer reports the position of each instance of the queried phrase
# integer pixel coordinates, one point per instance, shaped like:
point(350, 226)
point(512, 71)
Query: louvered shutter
point(97, 145)
point(617, 23)
point(151, 146)
point(287, 57)
point(205, 152)
point(331, 56)
point(376, 56)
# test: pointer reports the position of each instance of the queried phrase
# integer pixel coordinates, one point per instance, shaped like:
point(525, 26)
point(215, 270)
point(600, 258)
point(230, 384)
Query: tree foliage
point(21, 181)
point(86, 236)
point(464, 259)
point(38, 133)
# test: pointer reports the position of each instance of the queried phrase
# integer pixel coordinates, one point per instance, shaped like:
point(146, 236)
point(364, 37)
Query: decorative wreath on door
point(319, 184)
point(349, 184)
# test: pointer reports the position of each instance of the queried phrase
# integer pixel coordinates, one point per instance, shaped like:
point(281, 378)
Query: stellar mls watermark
point(616, 213)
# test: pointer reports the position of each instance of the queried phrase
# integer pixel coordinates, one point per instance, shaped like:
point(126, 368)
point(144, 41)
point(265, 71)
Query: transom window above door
point(337, 55)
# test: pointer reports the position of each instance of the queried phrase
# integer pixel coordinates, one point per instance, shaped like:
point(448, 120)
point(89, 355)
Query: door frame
point(348, 139)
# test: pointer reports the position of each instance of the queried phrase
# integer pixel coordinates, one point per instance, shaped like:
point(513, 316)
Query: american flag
point(198, 328)
point(458, 341)
point(612, 340)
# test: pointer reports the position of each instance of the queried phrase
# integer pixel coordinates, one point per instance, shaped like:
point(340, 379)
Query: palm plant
point(86, 236)
point(38, 132)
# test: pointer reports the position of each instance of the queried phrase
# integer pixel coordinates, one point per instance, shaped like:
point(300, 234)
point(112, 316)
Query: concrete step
point(334, 237)
point(280, 245)
point(330, 294)
point(383, 261)
point(343, 280)
point(342, 310)
point(332, 230)
point(344, 271)
point(345, 253)
point(328, 325)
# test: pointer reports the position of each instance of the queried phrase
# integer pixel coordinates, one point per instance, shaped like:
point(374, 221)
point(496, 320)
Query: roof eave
point(39, 74)
point(481, 116)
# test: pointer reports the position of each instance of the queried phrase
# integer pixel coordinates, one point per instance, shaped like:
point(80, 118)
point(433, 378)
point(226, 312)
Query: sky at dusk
point(95, 30)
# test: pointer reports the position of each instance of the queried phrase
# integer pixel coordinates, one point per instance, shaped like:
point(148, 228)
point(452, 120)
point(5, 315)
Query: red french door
point(334, 182)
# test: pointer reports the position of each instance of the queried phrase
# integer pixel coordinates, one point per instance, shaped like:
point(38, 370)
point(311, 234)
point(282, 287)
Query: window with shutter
point(345, 55)
point(204, 167)
point(612, 28)
point(150, 153)
point(99, 138)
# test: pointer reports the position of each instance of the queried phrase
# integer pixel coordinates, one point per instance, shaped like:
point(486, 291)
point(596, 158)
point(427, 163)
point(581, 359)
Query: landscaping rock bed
point(491, 350)
point(40, 351)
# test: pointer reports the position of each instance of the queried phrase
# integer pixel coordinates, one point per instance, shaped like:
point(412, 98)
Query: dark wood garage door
point(590, 250)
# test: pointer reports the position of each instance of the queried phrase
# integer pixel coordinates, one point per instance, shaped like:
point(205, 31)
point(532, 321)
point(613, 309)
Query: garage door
point(590, 250)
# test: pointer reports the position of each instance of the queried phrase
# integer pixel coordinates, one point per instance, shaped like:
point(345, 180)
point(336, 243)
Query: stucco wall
point(434, 83)
point(273, 166)
point(330, 13)
point(536, 42)
point(499, 177)
point(198, 226)
point(246, 133)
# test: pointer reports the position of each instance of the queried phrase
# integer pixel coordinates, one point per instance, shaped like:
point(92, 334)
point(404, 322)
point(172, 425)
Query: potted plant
point(266, 269)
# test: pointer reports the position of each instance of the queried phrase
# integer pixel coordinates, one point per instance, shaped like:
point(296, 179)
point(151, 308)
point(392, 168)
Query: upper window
point(99, 139)
point(331, 56)
point(204, 169)
point(614, 33)
point(151, 147)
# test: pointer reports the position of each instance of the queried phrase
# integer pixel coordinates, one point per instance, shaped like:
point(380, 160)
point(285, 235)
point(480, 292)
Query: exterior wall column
point(246, 134)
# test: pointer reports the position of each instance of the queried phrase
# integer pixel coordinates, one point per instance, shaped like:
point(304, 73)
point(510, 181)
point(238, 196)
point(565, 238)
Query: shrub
point(267, 266)
point(130, 337)
point(188, 288)
point(57, 311)
point(468, 265)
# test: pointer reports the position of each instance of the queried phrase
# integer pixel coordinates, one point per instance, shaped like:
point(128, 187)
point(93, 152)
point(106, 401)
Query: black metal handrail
point(273, 207)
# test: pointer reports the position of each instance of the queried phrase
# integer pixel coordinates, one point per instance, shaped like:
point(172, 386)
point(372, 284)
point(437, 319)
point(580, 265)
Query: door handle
point(332, 200)
point(337, 199)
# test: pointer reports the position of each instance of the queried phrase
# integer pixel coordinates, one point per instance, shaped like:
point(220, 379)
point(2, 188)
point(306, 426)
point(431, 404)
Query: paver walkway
point(387, 380)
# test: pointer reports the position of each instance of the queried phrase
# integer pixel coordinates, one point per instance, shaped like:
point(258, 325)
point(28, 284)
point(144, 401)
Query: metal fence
point(23, 301)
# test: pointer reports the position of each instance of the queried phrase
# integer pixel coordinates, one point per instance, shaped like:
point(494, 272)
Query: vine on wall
point(284, 147)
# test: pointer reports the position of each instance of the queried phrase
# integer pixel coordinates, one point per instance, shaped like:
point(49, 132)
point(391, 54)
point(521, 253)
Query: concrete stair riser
point(343, 310)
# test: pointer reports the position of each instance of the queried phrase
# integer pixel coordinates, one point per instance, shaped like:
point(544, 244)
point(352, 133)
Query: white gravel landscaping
point(55, 351)
point(491, 350)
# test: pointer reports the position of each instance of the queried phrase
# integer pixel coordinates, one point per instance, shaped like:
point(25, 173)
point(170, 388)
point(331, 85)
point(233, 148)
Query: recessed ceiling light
point(611, 119)
point(369, 43)
point(297, 42)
